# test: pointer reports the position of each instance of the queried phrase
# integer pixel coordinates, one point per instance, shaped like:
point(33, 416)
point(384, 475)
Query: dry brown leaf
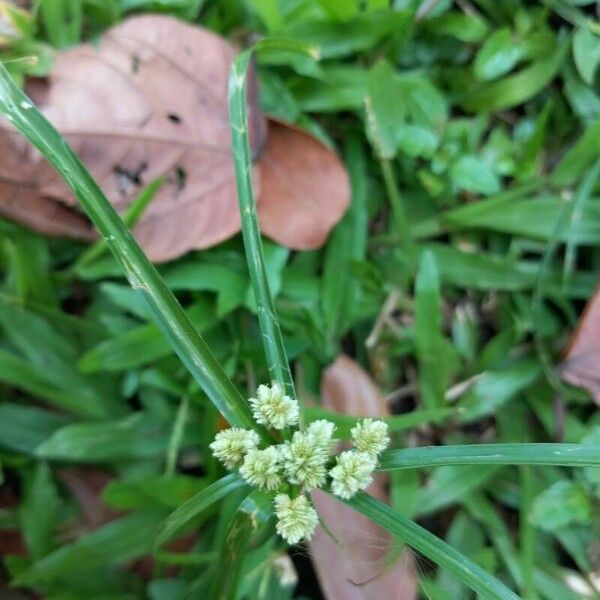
point(150, 99)
point(580, 366)
point(356, 569)
point(23, 204)
point(304, 188)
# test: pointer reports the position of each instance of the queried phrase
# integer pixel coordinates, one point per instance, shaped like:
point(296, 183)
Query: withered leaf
point(580, 365)
point(304, 188)
point(150, 99)
point(355, 567)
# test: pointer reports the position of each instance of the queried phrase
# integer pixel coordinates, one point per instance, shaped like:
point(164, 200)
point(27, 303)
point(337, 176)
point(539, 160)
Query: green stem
point(527, 534)
point(568, 455)
point(400, 218)
point(269, 324)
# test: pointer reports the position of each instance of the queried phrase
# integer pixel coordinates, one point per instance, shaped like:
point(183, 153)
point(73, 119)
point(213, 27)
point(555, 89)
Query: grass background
point(471, 243)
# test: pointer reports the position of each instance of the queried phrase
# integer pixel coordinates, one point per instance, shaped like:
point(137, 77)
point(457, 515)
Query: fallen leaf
point(304, 188)
point(150, 99)
point(356, 569)
point(24, 205)
point(580, 365)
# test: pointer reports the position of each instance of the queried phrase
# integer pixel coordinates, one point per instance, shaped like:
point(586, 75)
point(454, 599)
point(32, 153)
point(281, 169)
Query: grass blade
point(566, 455)
point(164, 307)
point(271, 333)
point(432, 547)
point(194, 507)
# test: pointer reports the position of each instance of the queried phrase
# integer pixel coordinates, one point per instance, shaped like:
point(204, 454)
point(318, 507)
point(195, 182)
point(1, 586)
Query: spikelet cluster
point(302, 460)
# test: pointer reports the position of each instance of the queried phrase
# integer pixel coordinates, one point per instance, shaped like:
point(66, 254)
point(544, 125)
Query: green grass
point(458, 190)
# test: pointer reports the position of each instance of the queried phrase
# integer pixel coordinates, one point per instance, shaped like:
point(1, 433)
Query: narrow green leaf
point(271, 333)
point(188, 512)
point(384, 109)
point(119, 541)
point(142, 275)
point(432, 547)
point(252, 515)
point(431, 348)
point(567, 455)
point(137, 436)
point(579, 157)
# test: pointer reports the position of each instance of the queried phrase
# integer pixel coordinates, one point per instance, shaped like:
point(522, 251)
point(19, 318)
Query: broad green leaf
point(472, 174)
point(464, 27)
point(518, 88)
point(498, 55)
point(416, 141)
point(385, 112)
point(586, 53)
point(562, 504)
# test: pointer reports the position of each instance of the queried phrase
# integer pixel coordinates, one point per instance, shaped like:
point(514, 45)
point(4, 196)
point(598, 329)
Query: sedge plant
point(274, 458)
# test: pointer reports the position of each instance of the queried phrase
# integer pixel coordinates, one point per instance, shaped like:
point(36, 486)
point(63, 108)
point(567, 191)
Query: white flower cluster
point(301, 463)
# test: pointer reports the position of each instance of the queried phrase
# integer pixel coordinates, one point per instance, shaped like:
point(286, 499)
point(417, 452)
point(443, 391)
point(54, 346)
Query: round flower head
point(370, 436)
point(353, 471)
point(296, 519)
point(231, 445)
point(261, 468)
point(273, 408)
point(304, 460)
point(321, 432)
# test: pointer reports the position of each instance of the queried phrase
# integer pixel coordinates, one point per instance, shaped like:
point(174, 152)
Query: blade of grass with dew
point(566, 455)
point(194, 507)
point(271, 333)
point(432, 547)
point(142, 275)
